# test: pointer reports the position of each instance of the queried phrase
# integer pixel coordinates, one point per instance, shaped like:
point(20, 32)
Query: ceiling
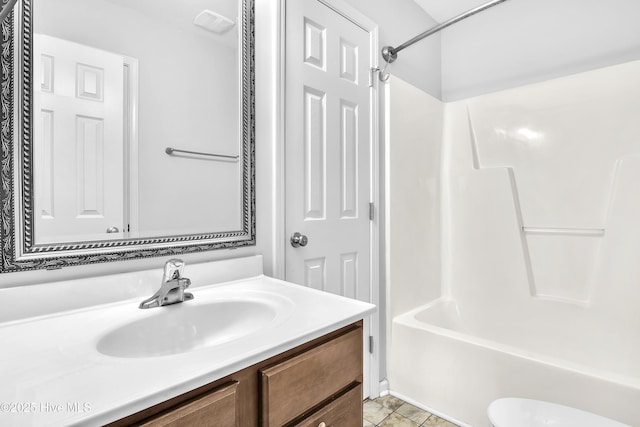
point(183, 10)
point(441, 10)
point(180, 14)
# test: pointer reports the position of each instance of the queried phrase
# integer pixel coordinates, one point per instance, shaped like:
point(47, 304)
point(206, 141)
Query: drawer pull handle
point(322, 424)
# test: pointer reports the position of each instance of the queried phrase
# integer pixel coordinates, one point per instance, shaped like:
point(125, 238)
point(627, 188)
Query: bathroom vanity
point(247, 350)
point(320, 381)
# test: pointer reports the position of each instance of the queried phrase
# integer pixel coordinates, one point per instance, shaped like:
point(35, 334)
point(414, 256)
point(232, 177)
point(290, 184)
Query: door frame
point(359, 19)
point(130, 190)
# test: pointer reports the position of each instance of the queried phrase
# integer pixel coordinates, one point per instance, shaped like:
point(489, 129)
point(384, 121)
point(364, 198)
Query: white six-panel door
point(78, 140)
point(327, 151)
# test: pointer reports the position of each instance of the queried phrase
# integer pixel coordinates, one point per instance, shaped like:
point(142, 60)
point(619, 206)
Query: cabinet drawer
point(213, 409)
point(293, 387)
point(345, 411)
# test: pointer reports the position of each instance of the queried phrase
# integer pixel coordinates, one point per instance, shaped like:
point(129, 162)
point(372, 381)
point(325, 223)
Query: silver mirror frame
point(17, 235)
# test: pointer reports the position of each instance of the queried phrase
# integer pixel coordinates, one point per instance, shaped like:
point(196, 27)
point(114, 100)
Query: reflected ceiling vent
point(213, 22)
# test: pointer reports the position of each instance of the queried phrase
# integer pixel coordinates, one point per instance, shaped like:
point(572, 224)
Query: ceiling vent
point(213, 22)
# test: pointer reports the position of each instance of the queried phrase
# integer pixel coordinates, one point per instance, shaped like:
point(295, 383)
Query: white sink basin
point(189, 326)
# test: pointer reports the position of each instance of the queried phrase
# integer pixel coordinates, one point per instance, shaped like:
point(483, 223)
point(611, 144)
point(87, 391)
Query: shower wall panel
point(535, 176)
point(413, 156)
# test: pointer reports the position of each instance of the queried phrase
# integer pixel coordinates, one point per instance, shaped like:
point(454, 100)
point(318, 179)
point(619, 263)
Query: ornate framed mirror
point(127, 130)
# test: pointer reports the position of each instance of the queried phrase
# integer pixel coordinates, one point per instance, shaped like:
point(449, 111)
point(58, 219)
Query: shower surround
point(534, 288)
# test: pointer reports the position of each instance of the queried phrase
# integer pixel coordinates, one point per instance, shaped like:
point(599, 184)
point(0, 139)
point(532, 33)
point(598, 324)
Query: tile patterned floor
point(389, 411)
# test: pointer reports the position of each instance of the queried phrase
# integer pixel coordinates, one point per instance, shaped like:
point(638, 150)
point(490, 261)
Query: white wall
point(525, 41)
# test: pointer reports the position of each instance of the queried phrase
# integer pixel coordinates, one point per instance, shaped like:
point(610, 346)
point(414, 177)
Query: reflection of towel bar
point(170, 151)
point(565, 231)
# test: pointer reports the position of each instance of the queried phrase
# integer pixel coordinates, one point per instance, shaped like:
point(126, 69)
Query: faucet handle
point(184, 283)
point(173, 269)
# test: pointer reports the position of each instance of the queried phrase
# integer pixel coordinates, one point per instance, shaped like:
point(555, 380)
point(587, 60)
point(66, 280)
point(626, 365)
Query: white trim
point(383, 386)
point(375, 224)
point(355, 16)
point(280, 220)
point(131, 202)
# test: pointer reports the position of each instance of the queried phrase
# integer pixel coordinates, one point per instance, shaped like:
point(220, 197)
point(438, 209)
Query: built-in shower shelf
point(565, 231)
point(562, 262)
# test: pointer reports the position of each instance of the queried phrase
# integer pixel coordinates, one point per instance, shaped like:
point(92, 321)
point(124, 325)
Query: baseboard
point(383, 388)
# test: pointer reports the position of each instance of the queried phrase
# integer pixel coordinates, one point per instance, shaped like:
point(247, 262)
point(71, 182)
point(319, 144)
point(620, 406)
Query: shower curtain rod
point(390, 53)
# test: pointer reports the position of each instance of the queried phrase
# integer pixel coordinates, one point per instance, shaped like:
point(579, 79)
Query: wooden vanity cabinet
point(315, 384)
point(293, 388)
point(345, 411)
point(216, 408)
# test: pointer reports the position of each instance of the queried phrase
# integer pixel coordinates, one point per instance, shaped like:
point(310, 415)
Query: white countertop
point(52, 374)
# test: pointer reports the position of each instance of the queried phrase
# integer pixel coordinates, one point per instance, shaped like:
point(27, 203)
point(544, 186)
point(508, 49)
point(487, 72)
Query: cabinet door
point(295, 386)
point(213, 409)
point(345, 411)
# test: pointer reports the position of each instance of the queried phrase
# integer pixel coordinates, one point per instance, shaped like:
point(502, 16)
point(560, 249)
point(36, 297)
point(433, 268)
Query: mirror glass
point(136, 132)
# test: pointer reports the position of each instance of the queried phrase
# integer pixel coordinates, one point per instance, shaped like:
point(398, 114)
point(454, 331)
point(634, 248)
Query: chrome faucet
point(172, 287)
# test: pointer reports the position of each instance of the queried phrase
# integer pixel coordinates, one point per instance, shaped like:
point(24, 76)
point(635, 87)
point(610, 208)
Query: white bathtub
point(455, 362)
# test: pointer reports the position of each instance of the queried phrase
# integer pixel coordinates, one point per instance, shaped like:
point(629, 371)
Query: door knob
point(298, 239)
point(113, 230)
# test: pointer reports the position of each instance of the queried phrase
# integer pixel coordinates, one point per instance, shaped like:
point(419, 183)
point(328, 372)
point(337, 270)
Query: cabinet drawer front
point(294, 386)
point(345, 411)
point(215, 409)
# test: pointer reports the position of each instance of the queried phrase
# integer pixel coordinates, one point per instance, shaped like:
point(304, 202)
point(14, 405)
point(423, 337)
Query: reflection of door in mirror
point(189, 97)
point(78, 141)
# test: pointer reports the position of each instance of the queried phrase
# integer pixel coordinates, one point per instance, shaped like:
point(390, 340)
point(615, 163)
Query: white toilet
point(516, 412)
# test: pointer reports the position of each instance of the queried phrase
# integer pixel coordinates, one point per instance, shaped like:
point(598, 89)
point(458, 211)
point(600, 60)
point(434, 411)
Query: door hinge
point(372, 211)
point(371, 344)
point(372, 74)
